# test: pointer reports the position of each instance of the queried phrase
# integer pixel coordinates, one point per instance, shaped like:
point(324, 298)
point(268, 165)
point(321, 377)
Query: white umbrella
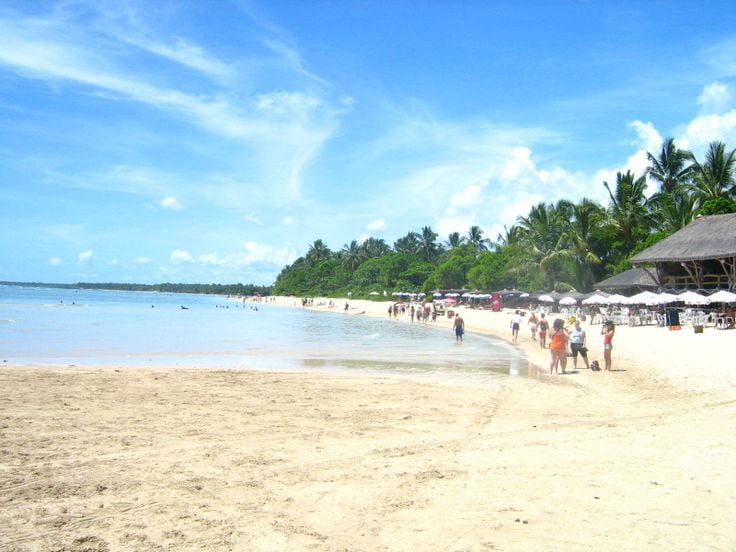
point(523, 295)
point(568, 301)
point(452, 294)
point(665, 298)
point(616, 299)
point(374, 293)
point(692, 298)
point(722, 296)
point(438, 295)
point(546, 299)
point(594, 300)
point(645, 297)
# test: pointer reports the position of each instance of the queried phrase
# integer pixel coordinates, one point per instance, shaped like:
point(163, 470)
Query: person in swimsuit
point(459, 327)
point(543, 327)
point(608, 330)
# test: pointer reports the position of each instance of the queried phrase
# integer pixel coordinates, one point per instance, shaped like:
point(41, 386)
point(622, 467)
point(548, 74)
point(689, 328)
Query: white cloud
point(519, 164)
point(288, 221)
point(469, 197)
point(253, 254)
point(715, 98)
point(254, 219)
point(376, 225)
point(85, 256)
point(170, 202)
point(54, 261)
point(143, 260)
point(180, 256)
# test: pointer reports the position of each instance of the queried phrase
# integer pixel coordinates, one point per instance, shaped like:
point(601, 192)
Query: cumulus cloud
point(54, 261)
point(143, 260)
point(376, 225)
point(170, 202)
point(715, 98)
point(252, 254)
point(180, 256)
point(85, 256)
point(254, 219)
point(288, 221)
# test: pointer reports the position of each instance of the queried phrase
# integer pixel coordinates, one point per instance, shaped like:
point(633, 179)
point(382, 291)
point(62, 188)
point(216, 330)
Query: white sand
point(643, 458)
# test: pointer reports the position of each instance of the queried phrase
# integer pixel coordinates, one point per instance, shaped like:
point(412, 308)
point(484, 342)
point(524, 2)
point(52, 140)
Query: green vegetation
point(555, 246)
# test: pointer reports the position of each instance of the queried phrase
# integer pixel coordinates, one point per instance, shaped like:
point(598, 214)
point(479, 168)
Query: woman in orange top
point(558, 339)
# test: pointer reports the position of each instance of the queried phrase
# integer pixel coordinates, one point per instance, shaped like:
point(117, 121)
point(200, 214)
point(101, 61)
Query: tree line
point(211, 289)
point(562, 246)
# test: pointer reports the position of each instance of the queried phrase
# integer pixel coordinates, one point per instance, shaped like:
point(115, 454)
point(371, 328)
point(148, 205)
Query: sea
point(53, 326)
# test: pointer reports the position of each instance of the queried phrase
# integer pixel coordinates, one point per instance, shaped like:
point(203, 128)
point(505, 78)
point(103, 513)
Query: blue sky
point(214, 141)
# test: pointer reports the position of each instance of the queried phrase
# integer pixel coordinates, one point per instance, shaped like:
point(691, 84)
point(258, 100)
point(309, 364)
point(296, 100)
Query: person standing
point(515, 325)
point(558, 339)
point(577, 345)
point(608, 330)
point(459, 327)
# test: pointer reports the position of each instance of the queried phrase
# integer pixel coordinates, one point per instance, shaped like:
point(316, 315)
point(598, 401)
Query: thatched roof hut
point(701, 255)
point(634, 278)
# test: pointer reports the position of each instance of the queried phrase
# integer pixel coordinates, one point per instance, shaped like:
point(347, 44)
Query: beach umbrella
point(665, 298)
point(450, 300)
point(722, 296)
point(524, 295)
point(692, 298)
point(546, 299)
point(616, 299)
point(645, 297)
point(452, 294)
point(396, 294)
point(374, 293)
point(568, 301)
point(437, 295)
point(595, 300)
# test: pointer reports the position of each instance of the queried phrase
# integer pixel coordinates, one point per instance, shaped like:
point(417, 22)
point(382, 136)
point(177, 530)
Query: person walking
point(543, 327)
point(577, 345)
point(515, 325)
point(459, 327)
point(608, 330)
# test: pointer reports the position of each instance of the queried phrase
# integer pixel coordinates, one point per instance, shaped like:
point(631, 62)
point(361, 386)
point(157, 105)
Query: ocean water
point(86, 327)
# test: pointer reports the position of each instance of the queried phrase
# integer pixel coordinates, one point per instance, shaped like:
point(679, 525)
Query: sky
point(213, 142)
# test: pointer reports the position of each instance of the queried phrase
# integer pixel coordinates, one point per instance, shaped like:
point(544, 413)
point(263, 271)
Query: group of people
point(564, 343)
point(422, 313)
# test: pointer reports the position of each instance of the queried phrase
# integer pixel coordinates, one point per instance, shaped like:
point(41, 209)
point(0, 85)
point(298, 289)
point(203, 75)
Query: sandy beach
point(140, 458)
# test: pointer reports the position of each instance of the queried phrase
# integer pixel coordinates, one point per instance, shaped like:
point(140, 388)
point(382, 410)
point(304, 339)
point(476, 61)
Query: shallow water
point(83, 327)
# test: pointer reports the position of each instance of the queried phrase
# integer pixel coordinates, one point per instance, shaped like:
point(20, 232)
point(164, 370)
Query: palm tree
point(578, 241)
point(671, 168)
point(475, 236)
point(673, 211)
point(318, 252)
point(510, 236)
point(541, 230)
point(427, 248)
point(352, 255)
point(375, 247)
point(454, 239)
point(628, 210)
point(407, 244)
point(715, 178)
